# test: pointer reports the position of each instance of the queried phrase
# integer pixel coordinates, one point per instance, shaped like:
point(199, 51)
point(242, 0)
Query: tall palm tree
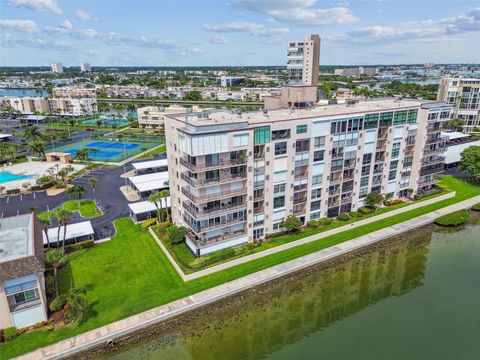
point(83, 154)
point(46, 223)
point(78, 190)
point(62, 216)
point(156, 199)
point(37, 147)
point(93, 183)
point(32, 132)
point(164, 194)
point(56, 258)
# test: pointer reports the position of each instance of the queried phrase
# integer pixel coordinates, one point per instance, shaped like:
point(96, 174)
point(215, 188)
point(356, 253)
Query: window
point(278, 202)
point(315, 205)
point(371, 121)
point(319, 141)
point(318, 155)
point(412, 116)
point(240, 140)
point(25, 296)
point(301, 129)
point(400, 117)
point(367, 159)
point(279, 189)
point(281, 134)
point(386, 119)
point(276, 226)
point(316, 193)
point(392, 174)
point(365, 170)
point(364, 181)
point(281, 148)
point(408, 161)
point(393, 164)
point(317, 179)
point(338, 127)
point(302, 145)
point(315, 215)
point(395, 150)
point(362, 193)
point(261, 135)
point(355, 124)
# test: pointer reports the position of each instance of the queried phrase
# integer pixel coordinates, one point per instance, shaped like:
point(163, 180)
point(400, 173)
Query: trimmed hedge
point(312, 224)
point(353, 214)
point(211, 258)
point(325, 221)
point(476, 207)
point(79, 246)
point(343, 217)
point(365, 210)
point(10, 333)
point(454, 219)
point(13, 191)
point(394, 202)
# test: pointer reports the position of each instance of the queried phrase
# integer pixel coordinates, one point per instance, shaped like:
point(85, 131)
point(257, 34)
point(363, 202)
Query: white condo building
point(85, 67)
point(235, 176)
point(303, 60)
point(57, 68)
point(464, 96)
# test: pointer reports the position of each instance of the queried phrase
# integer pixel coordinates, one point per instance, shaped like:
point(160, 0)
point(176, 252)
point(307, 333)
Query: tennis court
point(103, 121)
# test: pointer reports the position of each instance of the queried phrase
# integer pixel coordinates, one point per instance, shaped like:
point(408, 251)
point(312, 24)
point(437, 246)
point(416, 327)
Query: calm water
point(22, 92)
point(8, 176)
point(416, 300)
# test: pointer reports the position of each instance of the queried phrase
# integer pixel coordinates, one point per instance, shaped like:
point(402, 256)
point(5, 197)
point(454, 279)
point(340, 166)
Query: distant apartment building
point(74, 91)
point(236, 176)
point(464, 96)
point(129, 91)
point(154, 116)
point(62, 106)
point(22, 285)
point(258, 94)
point(357, 71)
point(28, 105)
point(57, 68)
point(85, 67)
point(303, 60)
point(229, 81)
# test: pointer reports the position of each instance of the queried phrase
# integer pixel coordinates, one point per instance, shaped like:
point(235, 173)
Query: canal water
point(22, 92)
point(418, 298)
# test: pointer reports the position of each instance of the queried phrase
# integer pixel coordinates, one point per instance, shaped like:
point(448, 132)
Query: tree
point(291, 224)
point(83, 154)
point(470, 162)
point(156, 199)
point(93, 183)
point(374, 200)
point(62, 216)
point(46, 223)
point(78, 190)
point(193, 95)
point(77, 305)
point(2, 189)
point(32, 132)
point(164, 194)
point(56, 258)
point(37, 147)
point(176, 234)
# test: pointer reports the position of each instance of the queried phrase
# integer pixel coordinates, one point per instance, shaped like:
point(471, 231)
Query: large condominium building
point(57, 68)
point(74, 91)
point(22, 286)
point(303, 60)
point(62, 106)
point(85, 67)
point(464, 95)
point(154, 116)
point(235, 176)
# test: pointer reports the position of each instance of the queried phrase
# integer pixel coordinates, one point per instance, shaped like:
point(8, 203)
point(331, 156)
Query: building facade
point(57, 68)
point(154, 116)
point(357, 71)
point(464, 96)
point(303, 61)
point(74, 92)
point(22, 286)
point(85, 67)
point(62, 106)
point(236, 176)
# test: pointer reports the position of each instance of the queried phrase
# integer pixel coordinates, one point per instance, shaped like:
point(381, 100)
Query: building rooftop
point(16, 237)
point(249, 118)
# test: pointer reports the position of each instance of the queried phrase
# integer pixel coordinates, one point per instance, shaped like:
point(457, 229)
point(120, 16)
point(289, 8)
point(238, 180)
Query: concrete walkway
point(292, 244)
point(110, 332)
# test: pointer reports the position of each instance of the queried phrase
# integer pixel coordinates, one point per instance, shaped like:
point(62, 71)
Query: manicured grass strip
point(131, 274)
point(149, 154)
point(87, 208)
point(453, 219)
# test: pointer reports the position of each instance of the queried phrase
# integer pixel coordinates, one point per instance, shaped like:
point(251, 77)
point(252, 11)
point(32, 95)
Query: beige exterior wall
point(5, 318)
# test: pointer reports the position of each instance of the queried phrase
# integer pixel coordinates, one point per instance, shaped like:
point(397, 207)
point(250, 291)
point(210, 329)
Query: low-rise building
point(22, 286)
point(74, 92)
point(154, 116)
point(235, 176)
point(357, 71)
point(464, 95)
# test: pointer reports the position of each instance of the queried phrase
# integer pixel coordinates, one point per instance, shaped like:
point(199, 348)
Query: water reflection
point(284, 313)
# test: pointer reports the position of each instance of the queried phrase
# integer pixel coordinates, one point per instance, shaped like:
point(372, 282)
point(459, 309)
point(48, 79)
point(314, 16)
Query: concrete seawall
point(114, 331)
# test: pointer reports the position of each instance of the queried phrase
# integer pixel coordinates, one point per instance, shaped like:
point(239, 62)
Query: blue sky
point(236, 32)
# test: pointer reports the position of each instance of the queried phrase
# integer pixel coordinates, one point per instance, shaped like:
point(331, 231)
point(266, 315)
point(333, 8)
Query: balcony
point(209, 211)
point(428, 182)
point(300, 200)
point(258, 209)
point(437, 150)
point(382, 135)
point(433, 169)
point(437, 140)
point(302, 187)
point(301, 175)
point(212, 166)
point(222, 179)
point(336, 156)
point(349, 164)
point(200, 199)
point(302, 162)
point(335, 202)
point(332, 192)
point(201, 241)
point(433, 160)
point(346, 199)
point(212, 225)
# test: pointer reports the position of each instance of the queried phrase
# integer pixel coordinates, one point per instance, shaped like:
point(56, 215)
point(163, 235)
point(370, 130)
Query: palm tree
point(156, 199)
point(56, 258)
point(46, 223)
point(93, 183)
point(32, 132)
point(164, 194)
point(77, 304)
point(79, 190)
point(83, 154)
point(62, 216)
point(37, 147)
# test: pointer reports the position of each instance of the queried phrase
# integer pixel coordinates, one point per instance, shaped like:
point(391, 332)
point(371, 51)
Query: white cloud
point(66, 28)
point(84, 15)
point(251, 28)
point(220, 39)
point(299, 12)
point(28, 26)
point(66, 25)
point(9, 40)
point(40, 5)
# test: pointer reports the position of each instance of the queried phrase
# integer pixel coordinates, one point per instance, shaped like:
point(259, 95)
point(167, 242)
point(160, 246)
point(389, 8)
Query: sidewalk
point(110, 332)
point(292, 244)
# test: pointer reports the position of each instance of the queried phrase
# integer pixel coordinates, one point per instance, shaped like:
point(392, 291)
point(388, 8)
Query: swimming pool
point(8, 176)
point(105, 122)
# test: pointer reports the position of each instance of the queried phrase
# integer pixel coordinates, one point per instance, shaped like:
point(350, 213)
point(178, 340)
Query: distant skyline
point(235, 32)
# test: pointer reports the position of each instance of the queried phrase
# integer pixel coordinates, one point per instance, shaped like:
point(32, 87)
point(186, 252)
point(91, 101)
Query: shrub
point(147, 223)
point(441, 186)
point(365, 210)
point(453, 219)
point(324, 221)
point(176, 234)
point(79, 246)
point(216, 256)
point(10, 333)
point(312, 224)
point(162, 227)
point(476, 207)
point(250, 246)
point(291, 223)
point(58, 303)
point(394, 202)
point(13, 191)
point(353, 214)
point(343, 217)
point(50, 285)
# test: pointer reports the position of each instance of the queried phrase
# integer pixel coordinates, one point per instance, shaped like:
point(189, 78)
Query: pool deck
point(33, 168)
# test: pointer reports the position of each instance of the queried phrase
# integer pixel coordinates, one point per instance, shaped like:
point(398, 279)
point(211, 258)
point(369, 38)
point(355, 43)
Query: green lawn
point(149, 154)
point(87, 208)
point(130, 273)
